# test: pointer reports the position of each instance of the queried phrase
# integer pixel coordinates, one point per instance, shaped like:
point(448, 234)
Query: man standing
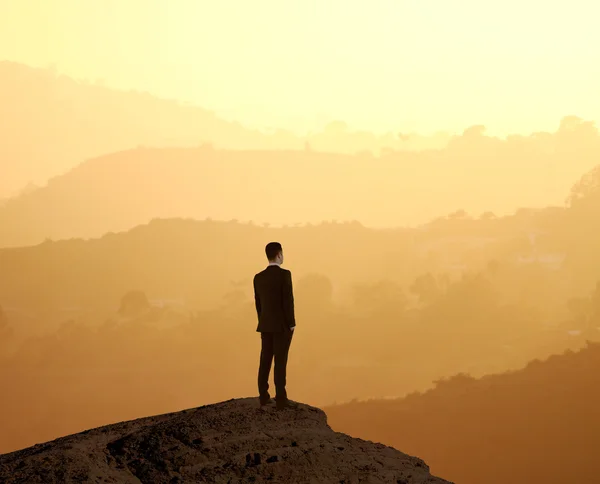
point(274, 300)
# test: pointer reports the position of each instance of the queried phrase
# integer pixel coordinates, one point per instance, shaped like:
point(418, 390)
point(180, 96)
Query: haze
point(430, 168)
point(382, 65)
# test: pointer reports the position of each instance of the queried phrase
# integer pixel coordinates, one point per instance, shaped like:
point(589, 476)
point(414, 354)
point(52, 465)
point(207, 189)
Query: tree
point(426, 288)
point(382, 298)
point(477, 130)
point(458, 215)
point(585, 311)
point(237, 295)
point(488, 216)
point(570, 125)
point(134, 303)
point(594, 321)
point(315, 291)
point(587, 187)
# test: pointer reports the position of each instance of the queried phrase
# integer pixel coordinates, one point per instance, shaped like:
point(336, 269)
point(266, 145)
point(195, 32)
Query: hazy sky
point(425, 65)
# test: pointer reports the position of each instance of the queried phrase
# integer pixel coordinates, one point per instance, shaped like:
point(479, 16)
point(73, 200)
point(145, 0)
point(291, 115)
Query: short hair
point(272, 249)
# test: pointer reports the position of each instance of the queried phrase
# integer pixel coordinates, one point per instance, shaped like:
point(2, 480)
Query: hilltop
point(229, 442)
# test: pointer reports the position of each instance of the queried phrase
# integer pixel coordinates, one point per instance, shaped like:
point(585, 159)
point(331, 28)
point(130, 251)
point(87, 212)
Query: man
point(274, 299)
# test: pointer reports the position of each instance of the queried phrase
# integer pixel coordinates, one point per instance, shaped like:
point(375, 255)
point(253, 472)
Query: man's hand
point(288, 299)
point(256, 299)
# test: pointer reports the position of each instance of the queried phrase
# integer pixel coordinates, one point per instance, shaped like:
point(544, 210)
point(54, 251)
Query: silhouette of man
point(274, 298)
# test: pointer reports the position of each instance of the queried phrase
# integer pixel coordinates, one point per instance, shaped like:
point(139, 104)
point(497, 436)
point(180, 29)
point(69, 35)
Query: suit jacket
point(274, 298)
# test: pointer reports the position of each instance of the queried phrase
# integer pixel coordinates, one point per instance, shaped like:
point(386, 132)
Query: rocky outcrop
point(230, 442)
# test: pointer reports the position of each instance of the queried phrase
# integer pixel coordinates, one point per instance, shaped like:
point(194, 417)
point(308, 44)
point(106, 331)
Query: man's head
point(274, 252)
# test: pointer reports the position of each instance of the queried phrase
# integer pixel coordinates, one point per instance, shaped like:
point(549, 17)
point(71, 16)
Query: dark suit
point(274, 299)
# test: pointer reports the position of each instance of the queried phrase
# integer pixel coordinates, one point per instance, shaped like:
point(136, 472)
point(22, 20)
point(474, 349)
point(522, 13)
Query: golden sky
point(424, 65)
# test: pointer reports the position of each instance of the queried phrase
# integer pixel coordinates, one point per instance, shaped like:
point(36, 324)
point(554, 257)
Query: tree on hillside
point(474, 131)
point(381, 298)
point(587, 188)
point(573, 126)
point(585, 312)
point(237, 295)
point(315, 291)
point(467, 303)
point(426, 287)
point(133, 303)
point(458, 215)
point(488, 216)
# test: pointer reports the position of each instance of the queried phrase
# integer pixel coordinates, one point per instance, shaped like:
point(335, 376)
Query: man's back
point(274, 299)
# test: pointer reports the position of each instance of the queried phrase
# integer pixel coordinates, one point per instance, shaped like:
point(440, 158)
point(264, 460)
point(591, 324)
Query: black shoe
point(283, 404)
point(266, 401)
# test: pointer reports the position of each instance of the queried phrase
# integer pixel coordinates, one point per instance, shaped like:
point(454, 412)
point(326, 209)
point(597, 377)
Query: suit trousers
point(274, 345)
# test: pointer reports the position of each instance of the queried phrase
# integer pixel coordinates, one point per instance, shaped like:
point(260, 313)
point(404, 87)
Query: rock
point(220, 443)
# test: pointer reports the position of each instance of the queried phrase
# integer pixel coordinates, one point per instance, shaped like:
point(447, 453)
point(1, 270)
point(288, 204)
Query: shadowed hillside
point(151, 320)
point(539, 424)
point(184, 259)
point(229, 442)
point(115, 328)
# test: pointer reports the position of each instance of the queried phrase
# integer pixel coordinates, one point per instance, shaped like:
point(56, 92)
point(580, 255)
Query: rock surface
point(230, 442)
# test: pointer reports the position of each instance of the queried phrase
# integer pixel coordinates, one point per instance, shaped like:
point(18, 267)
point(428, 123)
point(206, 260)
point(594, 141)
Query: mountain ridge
point(121, 190)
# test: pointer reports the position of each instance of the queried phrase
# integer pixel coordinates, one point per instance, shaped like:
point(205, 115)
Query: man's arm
point(256, 299)
point(288, 300)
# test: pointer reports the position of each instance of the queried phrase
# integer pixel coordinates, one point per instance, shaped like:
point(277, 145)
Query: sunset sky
point(423, 65)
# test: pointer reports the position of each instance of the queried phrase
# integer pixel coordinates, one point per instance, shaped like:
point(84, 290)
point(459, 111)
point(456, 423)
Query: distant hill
point(539, 424)
point(198, 261)
point(229, 442)
point(51, 122)
point(118, 191)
